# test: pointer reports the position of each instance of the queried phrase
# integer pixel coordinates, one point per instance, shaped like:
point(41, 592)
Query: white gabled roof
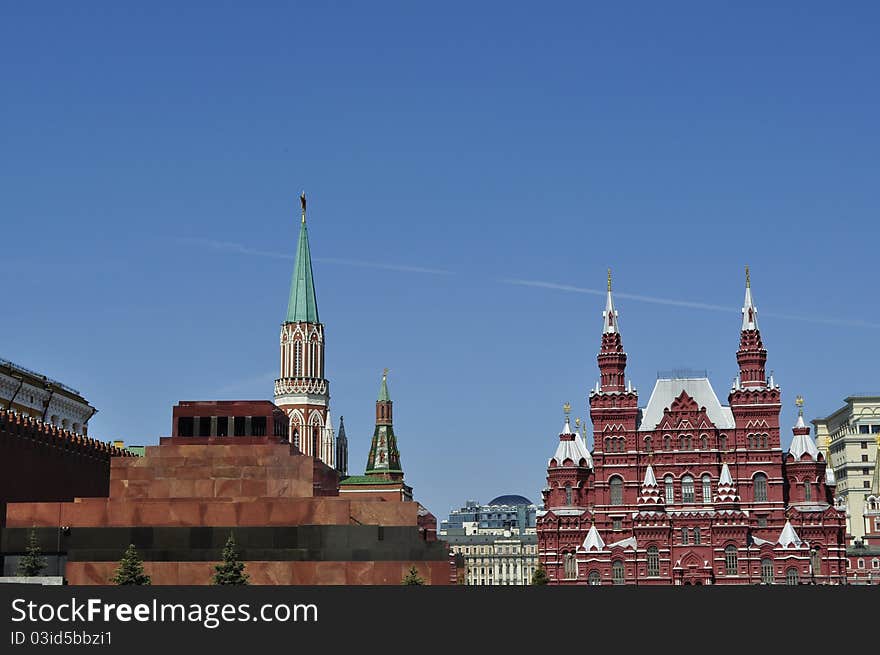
point(700, 389)
point(593, 540)
point(789, 537)
point(650, 478)
point(629, 542)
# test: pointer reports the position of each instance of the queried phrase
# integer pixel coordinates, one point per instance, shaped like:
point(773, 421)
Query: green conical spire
point(303, 305)
point(383, 390)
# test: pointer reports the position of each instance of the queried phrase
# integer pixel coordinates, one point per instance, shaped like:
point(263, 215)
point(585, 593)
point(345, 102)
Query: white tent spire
point(789, 537)
point(610, 314)
point(749, 311)
point(593, 541)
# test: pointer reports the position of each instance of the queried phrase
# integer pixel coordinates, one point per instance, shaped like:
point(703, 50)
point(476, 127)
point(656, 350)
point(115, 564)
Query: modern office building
point(496, 543)
point(849, 439)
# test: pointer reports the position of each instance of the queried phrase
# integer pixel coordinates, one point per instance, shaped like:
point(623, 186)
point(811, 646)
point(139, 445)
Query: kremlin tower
point(301, 389)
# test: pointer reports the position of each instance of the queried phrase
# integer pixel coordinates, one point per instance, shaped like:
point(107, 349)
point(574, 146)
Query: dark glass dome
point(510, 499)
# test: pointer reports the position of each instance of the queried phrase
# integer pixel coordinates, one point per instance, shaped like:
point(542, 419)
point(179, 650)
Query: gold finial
point(799, 401)
point(385, 373)
point(748, 278)
point(609, 279)
point(302, 201)
point(577, 422)
point(567, 409)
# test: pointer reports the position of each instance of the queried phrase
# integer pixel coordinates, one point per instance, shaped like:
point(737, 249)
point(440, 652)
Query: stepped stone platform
point(179, 503)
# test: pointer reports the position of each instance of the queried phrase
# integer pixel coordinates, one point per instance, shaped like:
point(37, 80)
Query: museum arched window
point(816, 562)
point(722, 442)
point(808, 491)
point(730, 560)
point(568, 493)
point(593, 578)
point(570, 567)
point(791, 576)
point(704, 442)
point(653, 562)
point(760, 487)
point(667, 441)
point(767, 570)
point(617, 573)
point(698, 539)
point(687, 489)
point(616, 487)
point(648, 444)
point(670, 491)
point(707, 488)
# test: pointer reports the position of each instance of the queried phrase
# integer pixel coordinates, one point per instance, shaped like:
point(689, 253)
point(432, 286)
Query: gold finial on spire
point(302, 201)
point(748, 278)
point(577, 422)
point(567, 409)
point(385, 373)
point(609, 279)
point(799, 401)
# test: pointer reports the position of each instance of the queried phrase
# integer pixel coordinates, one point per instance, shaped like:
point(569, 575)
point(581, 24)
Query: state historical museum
point(685, 490)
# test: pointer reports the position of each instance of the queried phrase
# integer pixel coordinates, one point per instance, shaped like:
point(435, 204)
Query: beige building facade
point(849, 438)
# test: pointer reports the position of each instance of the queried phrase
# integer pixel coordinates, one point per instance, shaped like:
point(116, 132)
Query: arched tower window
point(808, 491)
point(730, 560)
point(687, 489)
point(648, 444)
point(667, 442)
point(722, 442)
point(760, 485)
point(792, 577)
point(297, 358)
point(698, 538)
point(767, 570)
point(568, 493)
point(707, 488)
point(653, 562)
point(617, 573)
point(704, 442)
point(616, 487)
point(684, 536)
point(593, 578)
point(670, 490)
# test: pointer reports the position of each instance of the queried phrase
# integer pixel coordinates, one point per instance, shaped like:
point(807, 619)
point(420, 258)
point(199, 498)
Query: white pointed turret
point(650, 495)
point(789, 538)
point(830, 480)
point(571, 446)
point(802, 443)
point(593, 540)
point(726, 491)
point(650, 480)
point(610, 314)
point(749, 311)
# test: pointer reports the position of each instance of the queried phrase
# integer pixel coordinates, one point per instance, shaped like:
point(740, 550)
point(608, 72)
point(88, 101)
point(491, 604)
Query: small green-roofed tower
point(384, 458)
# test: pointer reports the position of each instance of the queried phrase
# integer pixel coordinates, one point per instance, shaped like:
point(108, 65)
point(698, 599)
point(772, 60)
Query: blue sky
point(152, 159)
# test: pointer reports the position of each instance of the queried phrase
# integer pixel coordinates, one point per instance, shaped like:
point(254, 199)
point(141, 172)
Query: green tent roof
point(383, 390)
point(303, 305)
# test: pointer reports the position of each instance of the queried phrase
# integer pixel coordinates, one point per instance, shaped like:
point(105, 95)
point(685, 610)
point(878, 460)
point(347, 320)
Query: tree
point(540, 575)
point(131, 569)
point(32, 562)
point(231, 570)
point(412, 577)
